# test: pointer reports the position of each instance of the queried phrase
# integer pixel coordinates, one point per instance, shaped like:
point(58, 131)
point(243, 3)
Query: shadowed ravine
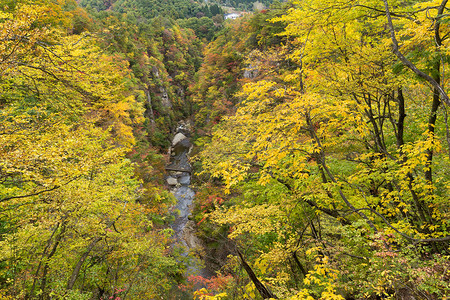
point(179, 180)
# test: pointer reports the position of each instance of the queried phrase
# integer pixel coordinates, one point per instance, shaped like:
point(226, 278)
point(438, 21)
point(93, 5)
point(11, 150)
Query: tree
point(72, 225)
point(338, 125)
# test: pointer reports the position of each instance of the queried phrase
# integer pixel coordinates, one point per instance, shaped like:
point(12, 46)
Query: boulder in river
point(185, 180)
point(182, 147)
point(171, 180)
point(178, 138)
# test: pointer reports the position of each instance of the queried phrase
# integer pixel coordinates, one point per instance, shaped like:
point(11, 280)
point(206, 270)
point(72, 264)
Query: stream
point(179, 172)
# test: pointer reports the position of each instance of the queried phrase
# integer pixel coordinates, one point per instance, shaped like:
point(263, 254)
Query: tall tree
point(344, 139)
point(71, 222)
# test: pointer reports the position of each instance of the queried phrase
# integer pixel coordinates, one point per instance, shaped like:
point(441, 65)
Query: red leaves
point(213, 284)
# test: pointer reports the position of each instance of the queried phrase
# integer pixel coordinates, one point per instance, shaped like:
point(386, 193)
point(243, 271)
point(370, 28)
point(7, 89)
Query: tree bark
point(52, 252)
point(401, 118)
point(76, 270)
point(299, 264)
point(263, 291)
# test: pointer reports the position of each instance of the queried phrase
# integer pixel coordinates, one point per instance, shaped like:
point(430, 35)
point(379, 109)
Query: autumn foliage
point(71, 222)
point(336, 157)
point(322, 136)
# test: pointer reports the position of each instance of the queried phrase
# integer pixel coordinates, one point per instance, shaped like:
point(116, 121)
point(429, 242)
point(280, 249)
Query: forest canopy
point(148, 9)
point(322, 157)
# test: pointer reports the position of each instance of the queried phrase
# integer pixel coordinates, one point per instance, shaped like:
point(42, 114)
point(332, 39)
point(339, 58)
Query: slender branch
point(30, 195)
point(49, 242)
point(447, 129)
point(438, 22)
point(331, 212)
point(76, 270)
point(299, 264)
point(392, 13)
point(331, 176)
point(401, 118)
point(40, 192)
point(408, 63)
point(78, 89)
point(416, 241)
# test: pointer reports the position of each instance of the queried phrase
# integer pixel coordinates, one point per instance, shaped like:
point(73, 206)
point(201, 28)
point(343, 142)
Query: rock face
point(165, 101)
point(165, 98)
point(251, 72)
point(184, 180)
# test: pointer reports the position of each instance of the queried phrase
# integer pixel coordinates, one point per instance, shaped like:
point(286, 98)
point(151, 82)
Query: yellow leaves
point(5, 15)
point(302, 295)
point(417, 152)
point(256, 220)
point(17, 29)
point(264, 179)
point(269, 126)
point(4, 295)
point(254, 91)
point(262, 266)
point(88, 206)
point(67, 111)
point(48, 157)
point(59, 166)
point(330, 295)
point(322, 276)
point(250, 291)
point(312, 250)
point(421, 32)
point(232, 173)
point(72, 76)
point(339, 103)
point(203, 294)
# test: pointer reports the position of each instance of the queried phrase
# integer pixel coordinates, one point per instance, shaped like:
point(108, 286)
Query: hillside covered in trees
point(321, 159)
point(326, 163)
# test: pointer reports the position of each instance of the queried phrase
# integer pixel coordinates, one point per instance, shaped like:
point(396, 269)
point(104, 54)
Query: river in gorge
point(179, 174)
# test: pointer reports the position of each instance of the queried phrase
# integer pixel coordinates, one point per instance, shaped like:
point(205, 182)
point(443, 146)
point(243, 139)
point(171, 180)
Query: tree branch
point(409, 64)
point(263, 291)
point(40, 192)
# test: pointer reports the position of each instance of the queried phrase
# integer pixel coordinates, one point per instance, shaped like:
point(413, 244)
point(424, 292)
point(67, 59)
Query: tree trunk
point(263, 291)
point(77, 268)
